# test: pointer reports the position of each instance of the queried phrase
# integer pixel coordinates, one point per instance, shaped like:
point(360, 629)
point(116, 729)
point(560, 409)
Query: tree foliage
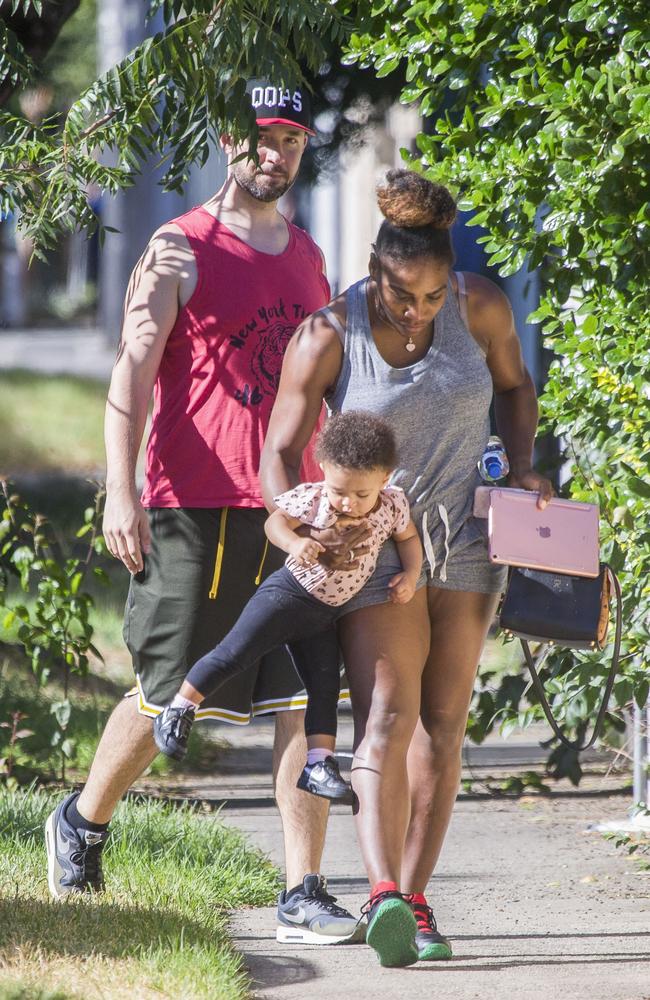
point(54, 628)
point(168, 98)
point(28, 30)
point(545, 135)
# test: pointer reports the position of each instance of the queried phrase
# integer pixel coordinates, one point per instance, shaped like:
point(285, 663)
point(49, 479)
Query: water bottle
point(493, 464)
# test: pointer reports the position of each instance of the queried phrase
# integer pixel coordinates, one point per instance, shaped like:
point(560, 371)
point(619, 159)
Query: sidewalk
point(537, 904)
point(81, 352)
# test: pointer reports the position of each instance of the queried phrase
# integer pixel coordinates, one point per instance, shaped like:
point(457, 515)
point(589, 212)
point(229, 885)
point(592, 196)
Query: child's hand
point(401, 588)
point(306, 551)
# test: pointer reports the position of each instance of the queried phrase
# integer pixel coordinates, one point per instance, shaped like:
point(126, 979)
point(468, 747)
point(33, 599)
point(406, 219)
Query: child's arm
point(280, 531)
point(402, 585)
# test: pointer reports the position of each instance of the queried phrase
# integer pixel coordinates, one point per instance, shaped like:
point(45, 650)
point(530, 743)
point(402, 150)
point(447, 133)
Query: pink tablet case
point(562, 538)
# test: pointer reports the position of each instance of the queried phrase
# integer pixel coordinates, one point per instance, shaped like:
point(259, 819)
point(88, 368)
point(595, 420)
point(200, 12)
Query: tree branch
point(35, 32)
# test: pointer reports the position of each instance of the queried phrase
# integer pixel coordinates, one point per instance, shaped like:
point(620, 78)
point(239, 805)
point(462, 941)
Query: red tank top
point(220, 369)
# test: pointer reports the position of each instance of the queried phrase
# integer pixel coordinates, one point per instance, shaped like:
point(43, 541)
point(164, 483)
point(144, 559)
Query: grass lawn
point(49, 424)
point(158, 931)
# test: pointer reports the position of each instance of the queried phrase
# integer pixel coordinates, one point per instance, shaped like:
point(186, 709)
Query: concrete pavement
point(537, 903)
point(82, 352)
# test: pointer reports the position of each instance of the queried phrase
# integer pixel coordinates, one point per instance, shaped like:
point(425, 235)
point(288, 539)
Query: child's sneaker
point(171, 731)
point(324, 778)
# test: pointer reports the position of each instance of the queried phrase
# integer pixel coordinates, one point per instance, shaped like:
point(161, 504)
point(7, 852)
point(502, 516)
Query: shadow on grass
point(16, 991)
point(83, 926)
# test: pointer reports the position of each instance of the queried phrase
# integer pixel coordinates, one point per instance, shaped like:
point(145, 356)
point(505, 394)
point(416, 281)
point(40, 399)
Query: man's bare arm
point(150, 311)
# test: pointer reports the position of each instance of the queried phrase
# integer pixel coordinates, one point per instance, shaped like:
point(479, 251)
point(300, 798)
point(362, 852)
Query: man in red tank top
point(209, 311)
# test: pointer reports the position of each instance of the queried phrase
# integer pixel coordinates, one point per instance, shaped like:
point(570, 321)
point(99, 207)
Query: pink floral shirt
point(308, 503)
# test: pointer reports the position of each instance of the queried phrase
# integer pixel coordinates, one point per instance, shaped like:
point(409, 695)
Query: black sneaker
point(74, 857)
point(324, 778)
point(430, 943)
point(171, 731)
point(311, 916)
point(391, 929)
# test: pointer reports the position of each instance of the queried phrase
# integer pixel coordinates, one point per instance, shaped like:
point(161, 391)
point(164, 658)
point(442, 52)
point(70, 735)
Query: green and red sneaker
point(430, 943)
point(391, 928)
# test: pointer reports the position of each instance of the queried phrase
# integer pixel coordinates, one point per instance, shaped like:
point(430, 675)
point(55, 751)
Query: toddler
point(299, 604)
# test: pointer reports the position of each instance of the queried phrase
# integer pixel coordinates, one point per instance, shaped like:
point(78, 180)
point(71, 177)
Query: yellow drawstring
point(218, 561)
point(258, 578)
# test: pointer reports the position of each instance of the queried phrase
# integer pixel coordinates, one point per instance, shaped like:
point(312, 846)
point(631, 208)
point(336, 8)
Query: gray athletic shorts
point(468, 568)
point(204, 566)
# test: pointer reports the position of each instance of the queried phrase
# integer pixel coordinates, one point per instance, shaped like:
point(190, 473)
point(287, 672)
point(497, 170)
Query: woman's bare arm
point(311, 366)
point(515, 400)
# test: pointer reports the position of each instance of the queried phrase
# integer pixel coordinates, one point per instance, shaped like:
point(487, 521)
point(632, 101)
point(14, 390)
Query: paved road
point(538, 904)
point(83, 352)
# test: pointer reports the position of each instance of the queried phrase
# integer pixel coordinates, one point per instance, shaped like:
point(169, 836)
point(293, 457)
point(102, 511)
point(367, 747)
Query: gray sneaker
point(74, 857)
point(311, 916)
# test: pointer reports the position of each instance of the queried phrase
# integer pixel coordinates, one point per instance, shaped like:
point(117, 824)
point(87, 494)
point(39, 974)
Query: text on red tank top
point(220, 369)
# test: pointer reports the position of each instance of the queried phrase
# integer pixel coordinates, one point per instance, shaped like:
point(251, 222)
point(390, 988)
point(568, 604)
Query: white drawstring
point(444, 517)
point(428, 547)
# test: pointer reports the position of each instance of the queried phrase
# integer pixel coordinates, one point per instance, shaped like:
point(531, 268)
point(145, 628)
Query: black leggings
point(282, 612)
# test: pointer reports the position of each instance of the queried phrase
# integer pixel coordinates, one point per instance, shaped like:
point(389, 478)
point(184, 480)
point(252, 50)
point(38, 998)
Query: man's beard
point(258, 191)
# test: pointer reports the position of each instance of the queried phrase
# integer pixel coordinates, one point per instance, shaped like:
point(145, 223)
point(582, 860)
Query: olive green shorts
point(203, 567)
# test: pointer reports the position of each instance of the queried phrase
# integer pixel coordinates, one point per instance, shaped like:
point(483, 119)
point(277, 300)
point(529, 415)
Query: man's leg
point(76, 830)
point(304, 817)
point(307, 914)
point(160, 617)
point(125, 750)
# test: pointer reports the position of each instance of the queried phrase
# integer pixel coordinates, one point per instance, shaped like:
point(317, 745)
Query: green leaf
point(61, 710)
point(642, 692)
point(589, 325)
point(640, 487)
point(9, 619)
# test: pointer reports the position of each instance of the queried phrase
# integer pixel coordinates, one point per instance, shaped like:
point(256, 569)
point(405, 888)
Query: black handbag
point(563, 610)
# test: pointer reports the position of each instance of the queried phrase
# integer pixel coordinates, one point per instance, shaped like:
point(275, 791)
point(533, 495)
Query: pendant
point(410, 346)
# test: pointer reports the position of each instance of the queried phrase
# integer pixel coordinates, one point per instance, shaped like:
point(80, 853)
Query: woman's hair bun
point(409, 200)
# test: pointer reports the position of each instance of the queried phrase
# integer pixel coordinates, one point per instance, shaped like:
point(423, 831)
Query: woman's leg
point(384, 649)
point(459, 625)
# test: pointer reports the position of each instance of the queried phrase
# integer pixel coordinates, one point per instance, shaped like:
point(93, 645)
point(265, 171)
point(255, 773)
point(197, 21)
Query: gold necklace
point(384, 315)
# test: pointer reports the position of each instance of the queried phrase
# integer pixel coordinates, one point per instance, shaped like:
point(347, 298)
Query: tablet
point(562, 538)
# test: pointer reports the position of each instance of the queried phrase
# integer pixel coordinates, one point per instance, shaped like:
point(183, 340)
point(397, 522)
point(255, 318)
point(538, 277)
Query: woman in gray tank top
point(427, 350)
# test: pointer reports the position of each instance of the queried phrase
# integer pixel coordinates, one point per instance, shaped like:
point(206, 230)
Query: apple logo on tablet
point(544, 532)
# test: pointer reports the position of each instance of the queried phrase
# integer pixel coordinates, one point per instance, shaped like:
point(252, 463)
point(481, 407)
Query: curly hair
point(417, 217)
point(357, 440)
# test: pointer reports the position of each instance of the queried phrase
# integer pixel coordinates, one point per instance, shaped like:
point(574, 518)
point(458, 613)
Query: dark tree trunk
point(35, 32)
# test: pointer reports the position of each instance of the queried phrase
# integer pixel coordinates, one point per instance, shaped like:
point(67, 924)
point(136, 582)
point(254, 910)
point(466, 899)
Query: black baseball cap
point(277, 105)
